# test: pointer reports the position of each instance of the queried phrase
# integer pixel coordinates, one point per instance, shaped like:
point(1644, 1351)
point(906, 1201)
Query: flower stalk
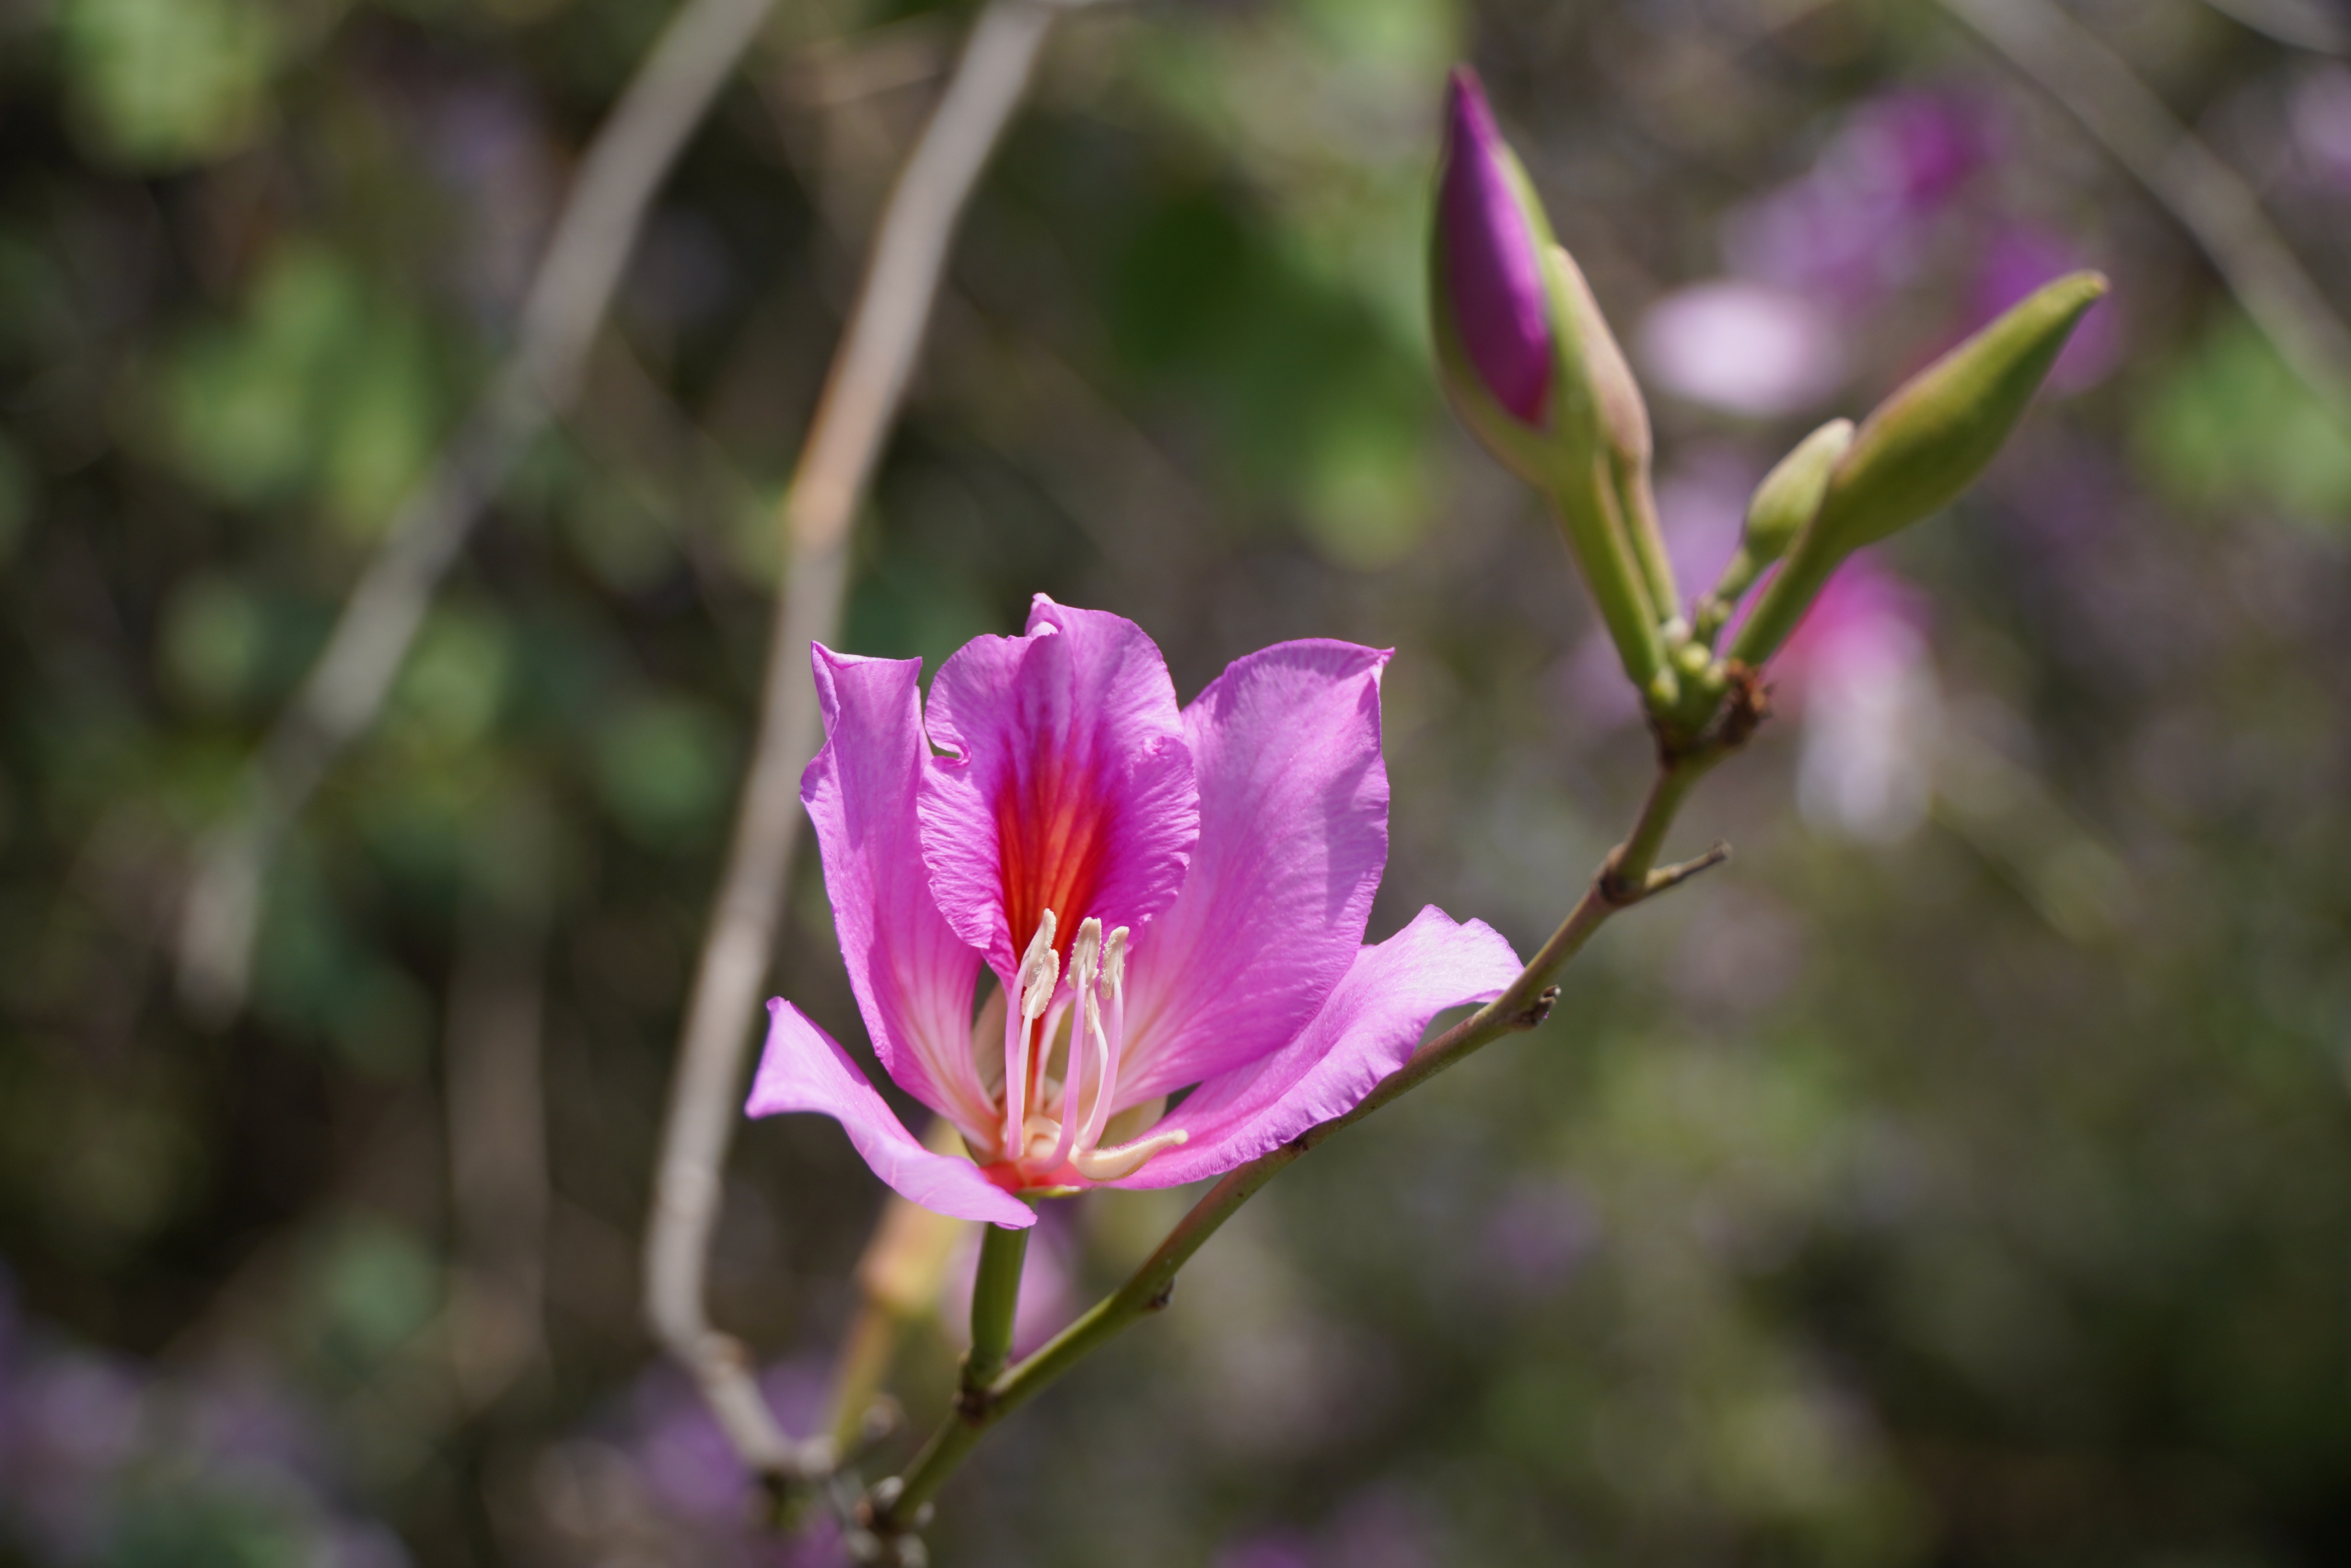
point(995, 1297)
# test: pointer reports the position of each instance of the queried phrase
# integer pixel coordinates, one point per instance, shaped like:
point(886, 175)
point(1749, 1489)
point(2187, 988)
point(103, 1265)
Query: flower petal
point(803, 1070)
point(1293, 836)
point(1071, 789)
point(1368, 1029)
point(911, 974)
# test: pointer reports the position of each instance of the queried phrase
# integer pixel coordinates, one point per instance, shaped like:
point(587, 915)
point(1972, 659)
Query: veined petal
point(803, 1070)
point(911, 974)
point(1293, 836)
point(1369, 1027)
point(1070, 788)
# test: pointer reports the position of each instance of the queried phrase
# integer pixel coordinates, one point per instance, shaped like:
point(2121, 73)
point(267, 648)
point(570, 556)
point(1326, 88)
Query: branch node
point(1535, 1011)
point(1615, 889)
point(1158, 1302)
point(1745, 709)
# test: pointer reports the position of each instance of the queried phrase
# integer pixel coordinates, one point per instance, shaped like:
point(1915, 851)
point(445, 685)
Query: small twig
point(2098, 89)
point(1666, 876)
point(346, 688)
point(860, 402)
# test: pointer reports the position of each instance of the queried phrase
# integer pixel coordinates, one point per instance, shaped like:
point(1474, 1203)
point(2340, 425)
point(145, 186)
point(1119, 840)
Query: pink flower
point(1858, 670)
point(1168, 898)
point(1745, 348)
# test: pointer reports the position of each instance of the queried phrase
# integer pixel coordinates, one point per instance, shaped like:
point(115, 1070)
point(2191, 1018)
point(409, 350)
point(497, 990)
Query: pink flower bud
point(1490, 259)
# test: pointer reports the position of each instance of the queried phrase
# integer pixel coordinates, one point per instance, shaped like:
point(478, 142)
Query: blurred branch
point(860, 402)
point(898, 1281)
point(1008, 385)
point(2303, 24)
point(567, 299)
point(496, 1107)
point(2098, 87)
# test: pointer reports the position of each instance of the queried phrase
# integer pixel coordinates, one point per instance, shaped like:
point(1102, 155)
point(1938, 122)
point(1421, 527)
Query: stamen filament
point(1112, 1040)
point(1085, 975)
point(1109, 1165)
point(1041, 971)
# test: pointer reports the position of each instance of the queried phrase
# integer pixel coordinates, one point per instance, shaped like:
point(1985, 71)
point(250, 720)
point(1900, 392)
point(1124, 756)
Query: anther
point(1041, 971)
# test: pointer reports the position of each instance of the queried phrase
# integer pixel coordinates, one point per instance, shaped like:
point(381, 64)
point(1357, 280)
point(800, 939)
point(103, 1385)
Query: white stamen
point(1111, 1039)
point(1109, 1165)
point(1069, 1135)
point(1085, 975)
point(1041, 971)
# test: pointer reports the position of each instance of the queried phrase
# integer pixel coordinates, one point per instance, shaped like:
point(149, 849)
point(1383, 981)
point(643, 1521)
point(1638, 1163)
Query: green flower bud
point(1791, 493)
point(1920, 448)
point(1782, 504)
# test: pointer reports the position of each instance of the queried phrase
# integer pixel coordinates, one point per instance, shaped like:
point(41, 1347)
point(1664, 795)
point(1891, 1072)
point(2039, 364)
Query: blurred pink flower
point(2320, 113)
point(1859, 222)
point(1750, 348)
point(687, 1464)
point(1856, 671)
point(1233, 845)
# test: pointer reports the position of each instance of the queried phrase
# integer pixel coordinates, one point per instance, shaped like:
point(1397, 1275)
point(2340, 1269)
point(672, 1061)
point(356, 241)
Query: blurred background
point(1962, 1176)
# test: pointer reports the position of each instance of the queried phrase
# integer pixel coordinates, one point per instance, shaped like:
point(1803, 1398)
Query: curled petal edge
point(803, 1069)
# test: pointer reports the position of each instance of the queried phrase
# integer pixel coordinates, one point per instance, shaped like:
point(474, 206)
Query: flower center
point(1049, 1127)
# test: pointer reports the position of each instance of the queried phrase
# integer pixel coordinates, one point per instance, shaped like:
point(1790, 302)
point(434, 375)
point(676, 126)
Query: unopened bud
point(1506, 342)
point(1504, 314)
point(1921, 447)
point(1927, 443)
point(1791, 493)
point(1782, 504)
point(1488, 295)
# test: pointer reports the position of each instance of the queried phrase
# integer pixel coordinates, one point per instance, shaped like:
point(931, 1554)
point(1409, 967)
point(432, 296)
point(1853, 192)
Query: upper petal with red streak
point(1070, 788)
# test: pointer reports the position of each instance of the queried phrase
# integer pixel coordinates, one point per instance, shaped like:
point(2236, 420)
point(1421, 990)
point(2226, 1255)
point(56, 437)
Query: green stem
point(994, 1296)
point(1636, 503)
point(1595, 536)
point(1624, 878)
point(1629, 876)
